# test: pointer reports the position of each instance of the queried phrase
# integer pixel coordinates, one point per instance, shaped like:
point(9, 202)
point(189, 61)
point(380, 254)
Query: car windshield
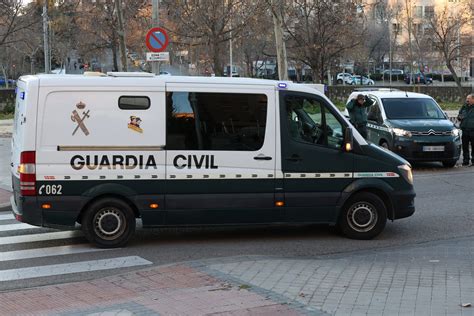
point(412, 108)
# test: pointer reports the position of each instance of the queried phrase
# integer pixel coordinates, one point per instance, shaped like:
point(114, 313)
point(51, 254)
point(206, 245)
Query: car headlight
point(401, 132)
point(455, 132)
point(405, 171)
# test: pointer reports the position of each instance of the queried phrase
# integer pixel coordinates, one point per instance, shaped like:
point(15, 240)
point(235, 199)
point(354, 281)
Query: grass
point(6, 116)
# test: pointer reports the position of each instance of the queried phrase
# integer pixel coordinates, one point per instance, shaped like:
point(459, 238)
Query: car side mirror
point(348, 140)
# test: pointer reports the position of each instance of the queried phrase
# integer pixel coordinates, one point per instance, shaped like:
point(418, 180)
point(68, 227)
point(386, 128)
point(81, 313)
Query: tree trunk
point(456, 79)
point(279, 41)
point(121, 35)
point(216, 60)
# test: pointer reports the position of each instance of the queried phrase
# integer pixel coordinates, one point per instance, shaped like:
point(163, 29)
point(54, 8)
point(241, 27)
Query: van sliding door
point(220, 154)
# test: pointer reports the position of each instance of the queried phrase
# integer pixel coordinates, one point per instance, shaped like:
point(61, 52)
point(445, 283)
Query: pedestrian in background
point(466, 116)
point(357, 109)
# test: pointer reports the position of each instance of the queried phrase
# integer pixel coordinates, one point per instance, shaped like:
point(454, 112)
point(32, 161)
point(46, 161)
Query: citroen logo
point(431, 132)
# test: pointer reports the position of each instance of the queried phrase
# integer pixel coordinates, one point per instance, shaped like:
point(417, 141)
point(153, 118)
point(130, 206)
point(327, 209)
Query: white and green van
point(411, 125)
point(103, 151)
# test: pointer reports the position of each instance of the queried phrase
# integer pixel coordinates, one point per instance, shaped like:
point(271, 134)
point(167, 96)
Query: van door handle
point(262, 157)
point(294, 158)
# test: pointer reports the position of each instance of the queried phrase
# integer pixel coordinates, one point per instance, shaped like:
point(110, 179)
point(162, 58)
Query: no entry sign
point(156, 40)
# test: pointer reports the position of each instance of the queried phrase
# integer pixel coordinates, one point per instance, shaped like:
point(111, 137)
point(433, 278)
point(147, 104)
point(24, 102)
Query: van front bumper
point(403, 204)
point(413, 150)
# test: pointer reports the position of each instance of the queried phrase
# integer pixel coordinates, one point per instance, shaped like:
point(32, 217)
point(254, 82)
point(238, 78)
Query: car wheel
point(108, 223)
point(449, 163)
point(339, 81)
point(385, 145)
point(364, 216)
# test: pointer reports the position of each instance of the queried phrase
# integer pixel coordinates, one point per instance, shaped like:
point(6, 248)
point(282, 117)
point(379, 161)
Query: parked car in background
point(3, 82)
point(411, 125)
point(394, 72)
point(344, 77)
point(418, 78)
point(362, 80)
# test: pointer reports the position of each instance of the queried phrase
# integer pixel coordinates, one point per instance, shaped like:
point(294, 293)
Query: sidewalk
point(435, 278)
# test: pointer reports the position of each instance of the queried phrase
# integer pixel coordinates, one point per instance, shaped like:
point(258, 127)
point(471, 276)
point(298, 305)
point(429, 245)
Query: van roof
point(391, 94)
point(147, 80)
point(137, 79)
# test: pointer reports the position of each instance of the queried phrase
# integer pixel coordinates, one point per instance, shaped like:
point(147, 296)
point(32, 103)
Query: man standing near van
point(466, 116)
point(358, 113)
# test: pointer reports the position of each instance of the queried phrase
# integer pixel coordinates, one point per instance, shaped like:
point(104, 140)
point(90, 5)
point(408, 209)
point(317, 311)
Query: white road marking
point(47, 252)
point(68, 268)
point(39, 237)
point(20, 226)
point(6, 216)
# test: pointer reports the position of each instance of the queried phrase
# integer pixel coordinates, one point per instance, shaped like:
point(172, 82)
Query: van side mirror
point(348, 145)
point(372, 116)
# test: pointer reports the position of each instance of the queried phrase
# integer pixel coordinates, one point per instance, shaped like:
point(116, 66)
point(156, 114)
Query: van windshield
point(412, 108)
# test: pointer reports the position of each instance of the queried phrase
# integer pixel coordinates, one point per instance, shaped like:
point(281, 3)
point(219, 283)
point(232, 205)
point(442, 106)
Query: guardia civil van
point(102, 151)
point(412, 125)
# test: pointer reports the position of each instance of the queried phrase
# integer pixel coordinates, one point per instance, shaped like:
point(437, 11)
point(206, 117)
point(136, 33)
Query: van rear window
point(215, 121)
point(134, 102)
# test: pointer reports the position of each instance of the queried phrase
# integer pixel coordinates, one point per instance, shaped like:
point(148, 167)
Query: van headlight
point(455, 132)
point(401, 132)
point(405, 171)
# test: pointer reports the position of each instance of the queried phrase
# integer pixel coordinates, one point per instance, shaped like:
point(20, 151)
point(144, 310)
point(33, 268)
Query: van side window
point(309, 121)
point(215, 121)
point(134, 102)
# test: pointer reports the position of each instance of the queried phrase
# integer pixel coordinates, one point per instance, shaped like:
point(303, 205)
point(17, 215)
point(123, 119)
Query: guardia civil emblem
point(135, 124)
point(79, 116)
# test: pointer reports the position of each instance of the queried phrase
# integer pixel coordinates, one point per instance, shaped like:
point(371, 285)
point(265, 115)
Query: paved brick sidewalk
point(171, 290)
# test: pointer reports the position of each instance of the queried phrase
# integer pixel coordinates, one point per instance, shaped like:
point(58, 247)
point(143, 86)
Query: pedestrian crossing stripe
point(55, 251)
point(4, 217)
point(47, 252)
point(20, 226)
point(9, 240)
point(70, 268)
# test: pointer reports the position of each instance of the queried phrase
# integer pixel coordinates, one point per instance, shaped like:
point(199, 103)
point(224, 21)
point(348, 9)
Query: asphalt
point(429, 278)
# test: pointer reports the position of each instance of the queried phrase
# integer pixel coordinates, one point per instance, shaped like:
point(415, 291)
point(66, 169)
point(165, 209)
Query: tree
point(14, 21)
point(321, 31)
point(451, 34)
point(210, 24)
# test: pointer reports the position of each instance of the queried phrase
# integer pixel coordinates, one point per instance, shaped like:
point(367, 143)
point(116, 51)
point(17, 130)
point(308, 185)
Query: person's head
point(470, 99)
point(360, 98)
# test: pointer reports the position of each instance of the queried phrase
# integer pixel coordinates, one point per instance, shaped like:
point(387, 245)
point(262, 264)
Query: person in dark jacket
point(466, 116)
point(357, 109)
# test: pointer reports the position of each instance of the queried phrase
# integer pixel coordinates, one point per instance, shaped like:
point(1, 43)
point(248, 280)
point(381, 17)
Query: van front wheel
point(364, 216)
point(109, 223)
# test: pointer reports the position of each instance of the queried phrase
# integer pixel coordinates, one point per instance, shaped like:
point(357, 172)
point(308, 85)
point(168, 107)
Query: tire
point(385, 145)
point(364, 216)
point(339, 81)
point(449, 163)
point(108, 223)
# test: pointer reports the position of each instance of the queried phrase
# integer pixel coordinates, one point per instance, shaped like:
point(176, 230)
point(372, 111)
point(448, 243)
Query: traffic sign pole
point(155, 65)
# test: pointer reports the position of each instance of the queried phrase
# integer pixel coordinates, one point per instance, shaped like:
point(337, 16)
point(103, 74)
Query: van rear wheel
point(364, 216)
point(109, 223)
